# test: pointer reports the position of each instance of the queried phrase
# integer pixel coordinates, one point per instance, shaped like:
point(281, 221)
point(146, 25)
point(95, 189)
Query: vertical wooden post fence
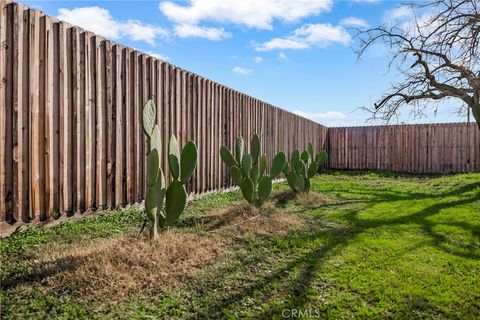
point(423, 148)
point(71, 140)
point(70, 108)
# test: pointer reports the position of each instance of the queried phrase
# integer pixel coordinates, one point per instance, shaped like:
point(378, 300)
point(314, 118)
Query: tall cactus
point(181, 165)
point(248, 170)
point(303, 167)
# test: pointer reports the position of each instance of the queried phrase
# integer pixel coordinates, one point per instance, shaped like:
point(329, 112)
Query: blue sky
point(296, 54)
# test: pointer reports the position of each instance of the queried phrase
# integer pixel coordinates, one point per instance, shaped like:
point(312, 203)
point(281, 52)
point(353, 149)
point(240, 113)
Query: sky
point(295, 54)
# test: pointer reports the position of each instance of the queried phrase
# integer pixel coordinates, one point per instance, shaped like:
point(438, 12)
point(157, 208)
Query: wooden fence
point(71, 140)
point(70, 107)
point(425, 148)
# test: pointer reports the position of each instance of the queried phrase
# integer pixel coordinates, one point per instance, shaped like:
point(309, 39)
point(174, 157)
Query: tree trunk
point(476, 112)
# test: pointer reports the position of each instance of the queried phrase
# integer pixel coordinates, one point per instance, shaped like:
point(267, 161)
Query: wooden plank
point(51, 121)
point(21, 114)
point(143, 97)
point(78, 66)
point(166, 118)
point(172, 108)
point(120, 150)
point(110, 118)
point(137, 133)
point(100, 125)
point(90, 112)
point(198, 171)
point(163, 121)
point(129, 135)
point(10, 123)
point(37, 118)
point(210, 126)
point(63, 71)
point(4, 76)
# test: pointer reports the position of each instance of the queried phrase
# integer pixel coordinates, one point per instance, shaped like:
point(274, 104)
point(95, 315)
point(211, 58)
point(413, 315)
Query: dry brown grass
point(312, 199)
point(115, 268)
point(245, 218)
point(267, 221)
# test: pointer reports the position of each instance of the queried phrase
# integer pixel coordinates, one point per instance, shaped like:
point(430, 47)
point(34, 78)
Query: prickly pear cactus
point(248, 170)
point(164, 204)
point(303, 166)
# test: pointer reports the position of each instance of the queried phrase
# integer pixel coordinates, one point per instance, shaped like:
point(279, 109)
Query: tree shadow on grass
point(305, 253)
point(303, 266)
point(327, 242)
point(422, 217)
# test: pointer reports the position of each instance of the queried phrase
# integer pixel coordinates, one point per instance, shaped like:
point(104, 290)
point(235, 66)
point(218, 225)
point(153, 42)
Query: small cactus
point(181, 165)
point(303, 166)
point(248, 170)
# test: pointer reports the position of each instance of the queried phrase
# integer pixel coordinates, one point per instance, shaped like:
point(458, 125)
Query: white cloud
point(249, 13)
point(367, 1)
point(354, 22)
point(258, 59)
point(100, 21)
point(281, 43)
point(409, 21)
point(194, 31)
point(330, 118)
point(282, 56)
point(329, 115)
point(242, 71)
point(137, 31)
point(398, 13)
point(157, 55)
point(318, 35)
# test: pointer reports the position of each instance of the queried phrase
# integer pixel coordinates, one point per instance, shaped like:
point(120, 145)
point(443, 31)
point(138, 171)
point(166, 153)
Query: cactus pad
point(312, 169)
point(236, 174)
point(174, 157)
point(264, 188)
point(263, 165)
point(153, 162)
point(294, 159)
point(239, 149)
point(188, 161)
point(151, 203)
point(278, 164)
point(321, 158)
point(149, 115)
point(155, 141)
point(305, 157)
point(246, 164)
point(227, 157)
point(254, 174)
point(310, 151)
point(176, 201)
point(246, 186)
point(255, 148)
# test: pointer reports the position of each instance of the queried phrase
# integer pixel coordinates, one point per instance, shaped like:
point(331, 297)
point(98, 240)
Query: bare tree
point(437, 55)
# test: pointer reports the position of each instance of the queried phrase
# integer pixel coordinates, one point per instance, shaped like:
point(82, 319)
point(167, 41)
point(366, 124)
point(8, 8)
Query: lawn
point(361, 245)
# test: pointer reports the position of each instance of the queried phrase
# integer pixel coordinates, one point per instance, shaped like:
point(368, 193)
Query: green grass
point(384, 246)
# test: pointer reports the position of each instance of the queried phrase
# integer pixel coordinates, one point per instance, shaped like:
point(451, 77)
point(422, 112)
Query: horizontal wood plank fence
point(70, 107)
point(424, 148)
